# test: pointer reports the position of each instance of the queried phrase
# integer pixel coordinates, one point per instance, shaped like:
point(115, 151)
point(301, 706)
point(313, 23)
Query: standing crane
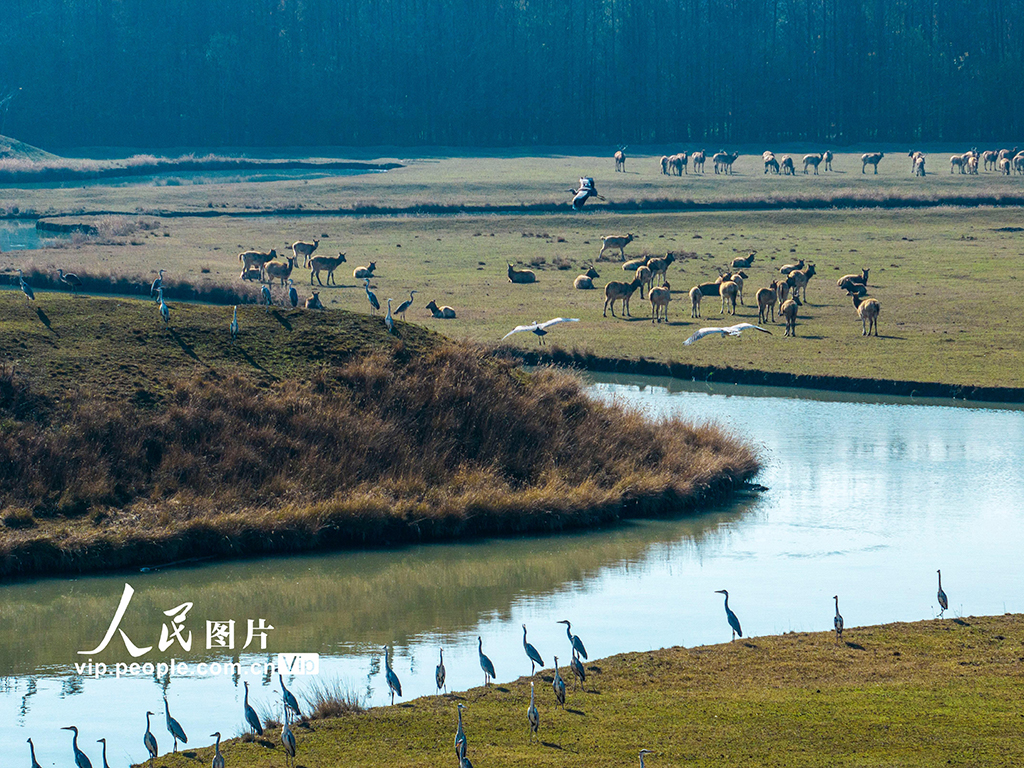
point(394, 684)
point(288, 739)
point(559, 685)
point(389, 322)
point(404, 305)
point(531, 653)
point(81, 759)
point(578, 670)
point(268, 299)
point(460, 736)
point(165, 312)
point(157, 284)
point(574, 639)
point(32, 751)
point(290, 702)
point(485, 663)
point(218, 758)
point(733, 621)
point(104, 743)
point(174, 727)
point(234, 325)
point(372, 298)
point(644, 752)
point(70, 279)
point(943, 602)
point(837, 622)
point(439, 674)
point(150, 740)
point(25, 287)
point(250, 714)
point(532, 715)
point(293, 295)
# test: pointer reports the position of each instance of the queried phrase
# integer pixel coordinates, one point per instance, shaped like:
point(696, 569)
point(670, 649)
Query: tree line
point(142, 73)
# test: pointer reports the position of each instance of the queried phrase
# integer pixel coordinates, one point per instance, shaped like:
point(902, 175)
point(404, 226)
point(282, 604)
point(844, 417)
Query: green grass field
point(943, 692)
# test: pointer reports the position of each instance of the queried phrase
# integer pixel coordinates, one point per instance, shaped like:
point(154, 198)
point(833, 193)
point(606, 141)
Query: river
point(865, 499)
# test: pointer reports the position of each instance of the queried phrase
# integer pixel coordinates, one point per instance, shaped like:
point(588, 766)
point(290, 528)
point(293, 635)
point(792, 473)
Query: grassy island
point(125, 443)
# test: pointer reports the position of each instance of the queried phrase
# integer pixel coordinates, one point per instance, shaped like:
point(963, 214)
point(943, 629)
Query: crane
point(485, 663)
point(586, 191)
point(104, 743)
point(389, 322)
point(267, 299)
point(81, 759)
point(404, 305)
point(577, 644)
point(559, 685)
point(577, 669)
point(290, 702)
point(733, 621)
point(165, 312)
point(25, 287)
point(234, 325)
point(150, 740)
point(531, 653)
point(250, 714)
point(293, 295)
point(372, 298)
point(540, 329)
point(288, 738)
point(838, 620)
point(174, 727)
point(157, 284)
point(732, 330)
point(644, 752)
point(460, 735)
point(218, 758)
point(69, 279)
point(394, 684)
point(32, 751)
point(439, 674)
point(532, 715)
point(943, 602)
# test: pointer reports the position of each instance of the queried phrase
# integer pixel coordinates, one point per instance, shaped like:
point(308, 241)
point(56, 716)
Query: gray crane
point(290, 702)
point(574, 639)
point(25, 287)
point(81, 759)
point(288, 738)
point(293, 295)
point(250, 714)
point(559, 685)
point(733, 621)
point(943, 601)
point(439, 674)
point(404, 305)
point(32, 751)
point(150, 740)
point(394, 684)
point(218, 758)
point(157, 284)
point(531, 653)
point(267, 299)
point(485, 663)
point(389, 322)
point(104, 743)
point(460, 736)
point(165, 312)
point(70, 279)
point(644, 752)
point(234, 325)
point(837, 622)
point(372, 298)
point(532, 715)
point(578, 671)
point(174, 727)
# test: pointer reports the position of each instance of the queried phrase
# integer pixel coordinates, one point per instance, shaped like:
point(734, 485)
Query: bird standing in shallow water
point(838, 620)
point(394, 684)
point(531, 653)
point(81, 759)
point(733, 621)
point(943, 602)
point(173, 726)
point(439, 674)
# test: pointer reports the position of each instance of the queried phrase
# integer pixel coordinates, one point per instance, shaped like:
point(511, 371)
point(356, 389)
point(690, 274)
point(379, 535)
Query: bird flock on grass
point(290, 706)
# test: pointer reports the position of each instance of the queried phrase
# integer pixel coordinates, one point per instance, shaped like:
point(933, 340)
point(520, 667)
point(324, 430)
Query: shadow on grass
point(282, 320)
point(576, 712)
point(185, 346)
point(45, 320)
point(549, 745)
point(855, 646)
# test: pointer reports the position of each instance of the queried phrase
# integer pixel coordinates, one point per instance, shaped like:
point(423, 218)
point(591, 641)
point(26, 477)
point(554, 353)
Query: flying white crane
point(540, 329)
point(731, 330)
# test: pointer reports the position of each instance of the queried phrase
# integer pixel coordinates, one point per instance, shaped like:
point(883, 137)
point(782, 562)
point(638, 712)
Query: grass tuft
point(330, 698)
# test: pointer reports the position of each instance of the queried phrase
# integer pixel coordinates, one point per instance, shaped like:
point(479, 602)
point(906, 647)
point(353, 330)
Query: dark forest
point(209, 73)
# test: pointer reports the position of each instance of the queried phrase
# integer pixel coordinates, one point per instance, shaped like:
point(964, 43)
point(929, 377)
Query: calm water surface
point(865, 499)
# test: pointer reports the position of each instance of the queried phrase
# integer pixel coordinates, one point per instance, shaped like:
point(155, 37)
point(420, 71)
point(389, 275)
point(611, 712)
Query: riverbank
point(129, 443)
point(935, 692)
